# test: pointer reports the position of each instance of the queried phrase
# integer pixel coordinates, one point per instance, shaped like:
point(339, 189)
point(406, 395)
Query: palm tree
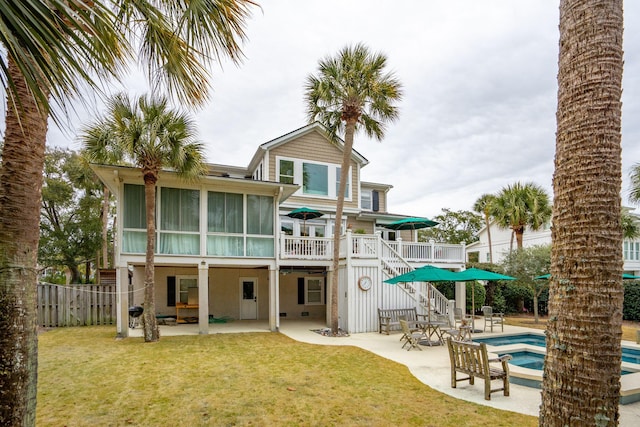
point(152, 137)
point(53, 50)
point(520, 205)
point(634, 193)
point(483, 206)
point(352, 92)
point(581, 381)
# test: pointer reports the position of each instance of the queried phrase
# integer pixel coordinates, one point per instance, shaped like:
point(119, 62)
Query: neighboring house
point(501, 244)
point(226, 247)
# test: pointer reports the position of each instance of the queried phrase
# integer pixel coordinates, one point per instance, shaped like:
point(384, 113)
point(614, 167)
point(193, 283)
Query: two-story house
point(225, 246)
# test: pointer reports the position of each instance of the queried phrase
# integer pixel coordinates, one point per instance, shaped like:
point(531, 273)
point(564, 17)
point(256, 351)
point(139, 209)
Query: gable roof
point(312, 127)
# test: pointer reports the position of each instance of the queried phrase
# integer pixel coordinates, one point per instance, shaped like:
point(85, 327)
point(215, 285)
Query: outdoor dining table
point(430, 328)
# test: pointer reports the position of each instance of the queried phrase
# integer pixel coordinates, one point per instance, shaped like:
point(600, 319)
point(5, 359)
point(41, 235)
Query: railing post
point(464, 251)
point(400, 251)
point(349, 246)
point(378, 234)
point(433, 249)
point(282, 245)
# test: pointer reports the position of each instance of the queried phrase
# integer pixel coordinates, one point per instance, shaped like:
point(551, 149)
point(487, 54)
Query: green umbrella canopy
point(625, 276)
point(305, 213)
point(413, 223)
point(428, 273)
point(478, 274)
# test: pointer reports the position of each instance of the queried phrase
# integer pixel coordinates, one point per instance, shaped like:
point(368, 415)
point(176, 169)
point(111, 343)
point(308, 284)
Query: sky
point(479, 84)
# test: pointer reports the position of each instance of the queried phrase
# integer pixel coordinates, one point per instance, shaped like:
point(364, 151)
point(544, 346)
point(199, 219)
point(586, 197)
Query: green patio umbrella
point(304, 214)
point(428, 273)
point(413, 223)
point(473, 274)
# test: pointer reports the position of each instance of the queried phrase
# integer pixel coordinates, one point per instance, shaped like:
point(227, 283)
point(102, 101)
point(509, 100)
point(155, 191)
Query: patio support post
point(203, 298)
point(122, 302)
point(451, 304)
point(274, 301)
point(461, 296)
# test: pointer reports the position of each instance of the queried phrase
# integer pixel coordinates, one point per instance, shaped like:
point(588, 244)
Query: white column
point(122, 302)
point(274, 299)
point(461, 296)
point(203, 298)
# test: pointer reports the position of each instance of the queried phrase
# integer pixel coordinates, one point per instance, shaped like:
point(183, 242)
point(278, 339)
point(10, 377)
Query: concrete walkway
point(431, 365)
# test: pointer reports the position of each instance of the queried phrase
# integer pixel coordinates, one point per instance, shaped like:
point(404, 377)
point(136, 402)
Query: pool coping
point(629, 383)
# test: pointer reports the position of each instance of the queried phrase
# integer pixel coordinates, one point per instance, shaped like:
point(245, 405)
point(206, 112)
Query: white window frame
point(178, 290)
point(331, 178)
point(368, 193)
point(306, 290)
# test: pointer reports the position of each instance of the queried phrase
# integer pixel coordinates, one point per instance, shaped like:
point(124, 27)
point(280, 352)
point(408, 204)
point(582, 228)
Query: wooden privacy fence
point(76, 305)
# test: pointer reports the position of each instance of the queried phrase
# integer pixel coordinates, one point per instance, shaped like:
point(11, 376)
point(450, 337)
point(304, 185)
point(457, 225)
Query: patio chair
point(412, 339)
point(413, 327)
point(491, 318)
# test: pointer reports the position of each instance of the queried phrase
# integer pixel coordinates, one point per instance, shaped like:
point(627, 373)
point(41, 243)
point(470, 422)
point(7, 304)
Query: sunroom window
point(260, 226)
point(224, 224)
point(179, 221)
point(134, 233)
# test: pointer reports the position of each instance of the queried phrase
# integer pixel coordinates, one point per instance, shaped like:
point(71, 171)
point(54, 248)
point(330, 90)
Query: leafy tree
point(54, 49)
point(453, 227)
point(527, 263)
point(581, 380)
point(351, 92)
point(70, 228)
point(520, 205)
point(483, 206)
point(150, 136)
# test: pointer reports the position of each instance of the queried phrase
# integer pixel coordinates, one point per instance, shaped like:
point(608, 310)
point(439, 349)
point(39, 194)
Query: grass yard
point(87, 378)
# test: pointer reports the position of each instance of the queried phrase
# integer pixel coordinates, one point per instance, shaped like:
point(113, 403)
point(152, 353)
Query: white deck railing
point(369, 246)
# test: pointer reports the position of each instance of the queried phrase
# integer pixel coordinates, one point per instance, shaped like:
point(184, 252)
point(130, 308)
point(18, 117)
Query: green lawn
point(87, 378)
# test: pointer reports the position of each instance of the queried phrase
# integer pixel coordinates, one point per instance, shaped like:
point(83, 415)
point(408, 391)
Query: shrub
point(631, 306)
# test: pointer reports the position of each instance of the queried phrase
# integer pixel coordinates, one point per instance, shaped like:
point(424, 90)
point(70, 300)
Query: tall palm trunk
point(20, 199)
point(105, 228)
point(350, 128)
point(486, 218)
point(581, 382)
point(150, 324)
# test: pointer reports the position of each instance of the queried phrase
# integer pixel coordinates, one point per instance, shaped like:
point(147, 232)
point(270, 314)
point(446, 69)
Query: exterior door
point(248, 298)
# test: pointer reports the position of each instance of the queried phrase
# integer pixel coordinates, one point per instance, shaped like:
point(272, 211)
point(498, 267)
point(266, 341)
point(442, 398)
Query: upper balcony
point(369, 246)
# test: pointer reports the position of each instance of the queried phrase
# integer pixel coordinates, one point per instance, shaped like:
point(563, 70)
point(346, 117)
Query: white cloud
point(479, 91)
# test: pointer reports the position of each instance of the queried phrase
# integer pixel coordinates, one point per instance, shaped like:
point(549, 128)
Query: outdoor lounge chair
point(412, 339)
point(491, 318)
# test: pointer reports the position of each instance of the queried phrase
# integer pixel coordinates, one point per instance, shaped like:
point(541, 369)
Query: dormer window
point(317, 179)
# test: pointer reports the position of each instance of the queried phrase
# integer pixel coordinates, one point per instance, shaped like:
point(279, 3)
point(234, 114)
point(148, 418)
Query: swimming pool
point(630, 355)
point(528, 351)
point(531, 360)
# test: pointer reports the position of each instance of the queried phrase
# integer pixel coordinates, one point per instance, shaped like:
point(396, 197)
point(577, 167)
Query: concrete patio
point(431, 365)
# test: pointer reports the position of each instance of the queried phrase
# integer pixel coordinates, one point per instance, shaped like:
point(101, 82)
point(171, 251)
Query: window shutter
point(301, 290)
point(375, 201)
point(171, 291)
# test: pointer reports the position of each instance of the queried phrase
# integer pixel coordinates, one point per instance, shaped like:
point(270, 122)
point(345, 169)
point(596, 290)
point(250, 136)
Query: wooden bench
point(389, 318)
point(471, 359)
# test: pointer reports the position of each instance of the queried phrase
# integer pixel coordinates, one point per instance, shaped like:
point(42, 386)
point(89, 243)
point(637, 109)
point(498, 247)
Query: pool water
point(629, 355)
point(531, 360)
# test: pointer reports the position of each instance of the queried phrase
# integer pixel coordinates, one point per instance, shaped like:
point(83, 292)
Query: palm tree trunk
point(486, 217)
point(344, 175)
point(105, 223)
point(20, 200)
point(581, 381)
point(149, 322)
point(519, 232)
